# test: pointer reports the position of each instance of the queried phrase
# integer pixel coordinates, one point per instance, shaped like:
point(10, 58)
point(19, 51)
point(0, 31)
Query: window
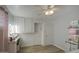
point(12, 29)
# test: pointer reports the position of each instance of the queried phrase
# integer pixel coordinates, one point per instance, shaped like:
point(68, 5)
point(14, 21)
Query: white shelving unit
point(73, 40)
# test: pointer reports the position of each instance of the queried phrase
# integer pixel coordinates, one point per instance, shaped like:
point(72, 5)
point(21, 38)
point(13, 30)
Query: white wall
point(34, 38)
point(61, 21)
point(11, 18)
point(40, 37)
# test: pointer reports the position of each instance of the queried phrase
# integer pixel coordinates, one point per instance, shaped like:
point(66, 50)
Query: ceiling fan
point(48, 9)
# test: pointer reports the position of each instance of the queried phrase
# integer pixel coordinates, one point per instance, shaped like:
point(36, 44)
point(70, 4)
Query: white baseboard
point(58, 46)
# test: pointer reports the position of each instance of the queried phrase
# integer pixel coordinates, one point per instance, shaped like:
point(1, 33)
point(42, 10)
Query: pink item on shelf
point(72, 31)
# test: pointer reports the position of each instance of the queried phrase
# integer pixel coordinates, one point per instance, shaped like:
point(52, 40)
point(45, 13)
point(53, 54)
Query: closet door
point(3, 30)
point(1, 39)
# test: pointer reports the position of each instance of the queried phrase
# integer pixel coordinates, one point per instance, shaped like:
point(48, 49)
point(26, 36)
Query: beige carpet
point(41, 49)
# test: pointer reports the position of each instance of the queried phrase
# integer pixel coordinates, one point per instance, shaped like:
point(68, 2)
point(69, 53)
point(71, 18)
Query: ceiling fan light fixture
point(46, 13)
point(49, 12)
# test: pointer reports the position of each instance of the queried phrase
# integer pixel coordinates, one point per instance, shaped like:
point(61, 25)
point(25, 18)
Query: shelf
point(72, 42)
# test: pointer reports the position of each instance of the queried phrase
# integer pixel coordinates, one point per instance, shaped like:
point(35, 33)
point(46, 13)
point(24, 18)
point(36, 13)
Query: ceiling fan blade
point(43, 8)
point(55, 9)
point(51, 6)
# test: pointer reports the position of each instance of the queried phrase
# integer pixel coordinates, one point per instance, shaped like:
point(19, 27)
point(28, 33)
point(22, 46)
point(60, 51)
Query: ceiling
point(27, 10)
point(24, 10)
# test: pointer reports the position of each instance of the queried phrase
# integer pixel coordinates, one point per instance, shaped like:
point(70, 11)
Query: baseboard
point(29, 45)
point(58, 47)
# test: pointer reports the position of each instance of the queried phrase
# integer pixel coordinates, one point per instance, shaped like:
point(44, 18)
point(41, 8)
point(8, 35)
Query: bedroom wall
point(32, 39)
point(41, 37)
point(11, 19)
point(61, 21)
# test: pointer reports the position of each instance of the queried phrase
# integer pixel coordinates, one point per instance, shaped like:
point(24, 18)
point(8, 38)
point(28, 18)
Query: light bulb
point(51, 12)
point(46, 13)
